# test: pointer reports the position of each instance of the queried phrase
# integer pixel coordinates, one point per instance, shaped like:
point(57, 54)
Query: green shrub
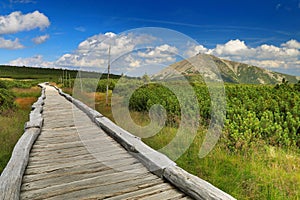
point(6, 100)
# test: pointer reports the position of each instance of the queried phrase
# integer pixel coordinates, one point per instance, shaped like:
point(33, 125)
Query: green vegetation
point(257, 156)
point(29, 73)
point(16, 98)
point(254, 112)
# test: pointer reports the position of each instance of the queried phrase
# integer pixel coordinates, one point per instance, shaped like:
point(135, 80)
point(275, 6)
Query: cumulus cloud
point(133, 51)
point(10, 44)
point(128, 52)
point(35, 61)
point(16, 22)
point(291, 44)
point(41, 39)
point(285, 56)
point(163, 51)
point(233, 47)
point(193, 49)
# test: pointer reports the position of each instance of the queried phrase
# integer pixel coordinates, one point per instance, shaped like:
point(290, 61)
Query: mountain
point(230, 71)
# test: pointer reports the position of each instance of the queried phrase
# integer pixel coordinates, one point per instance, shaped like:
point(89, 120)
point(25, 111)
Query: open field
point(14, 116)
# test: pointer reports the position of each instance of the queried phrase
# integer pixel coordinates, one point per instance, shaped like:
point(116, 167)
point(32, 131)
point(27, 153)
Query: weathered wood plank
point(49, 158)
point(169, 193)
point(62, 161)
point(67, 152)
point(105, 191)
point(85, 184)
point(50, 168)
point(119, 165)
point(100, 172)
point(140, 193)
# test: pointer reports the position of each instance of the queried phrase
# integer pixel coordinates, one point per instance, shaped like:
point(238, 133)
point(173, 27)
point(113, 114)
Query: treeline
point(48, 74)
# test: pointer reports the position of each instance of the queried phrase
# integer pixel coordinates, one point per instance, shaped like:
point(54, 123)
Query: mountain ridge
point(230, 71)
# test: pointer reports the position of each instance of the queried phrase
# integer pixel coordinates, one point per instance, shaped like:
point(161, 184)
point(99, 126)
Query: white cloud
point(41, 39)
point(16, 22)
point(232, 47)
point(93, 52)
point(135, 51)
point(35, 61)
point(161, 51)
point(291, 44)
point(10, 44)
point(286, 56)
point(129, 52)
point(193, 49)
point(80, 29)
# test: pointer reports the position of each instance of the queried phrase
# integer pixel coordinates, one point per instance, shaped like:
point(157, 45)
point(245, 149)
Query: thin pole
point(63, 73)
point(108, 69)
point(69, 79)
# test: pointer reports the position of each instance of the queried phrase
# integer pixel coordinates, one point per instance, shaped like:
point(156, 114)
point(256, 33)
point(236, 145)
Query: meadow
point(256, 157)
point(258, 154)
point(16, 98)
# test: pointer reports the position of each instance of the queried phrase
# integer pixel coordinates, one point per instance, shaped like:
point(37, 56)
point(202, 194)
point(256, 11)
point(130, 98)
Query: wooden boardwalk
point(76, 159)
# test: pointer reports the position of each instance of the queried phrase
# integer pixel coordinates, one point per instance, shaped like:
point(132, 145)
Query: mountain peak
point(209, 67)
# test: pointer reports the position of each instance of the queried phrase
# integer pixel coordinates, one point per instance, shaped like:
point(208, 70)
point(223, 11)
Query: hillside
point(230, 71)
point(47, 74)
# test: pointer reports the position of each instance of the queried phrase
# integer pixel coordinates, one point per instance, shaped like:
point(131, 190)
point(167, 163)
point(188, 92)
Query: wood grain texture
point(73, 158)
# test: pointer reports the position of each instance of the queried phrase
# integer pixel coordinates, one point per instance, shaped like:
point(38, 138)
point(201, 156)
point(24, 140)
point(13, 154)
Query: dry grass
point(27, 92)
point(25, 102)
point(12, 124)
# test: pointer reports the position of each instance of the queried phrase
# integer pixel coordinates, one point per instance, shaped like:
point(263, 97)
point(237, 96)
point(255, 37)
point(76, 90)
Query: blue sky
point(48, 33)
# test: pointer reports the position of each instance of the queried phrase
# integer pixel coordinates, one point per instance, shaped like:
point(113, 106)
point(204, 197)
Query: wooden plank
point(119, 165)
point(95, 142)
point(139, 193)
point(56, 162)
point(170, 193)
point(97, 172)
point(85, 184)
point(79, 153)
point(47, 169)
point(105, 191)
point(76, 151)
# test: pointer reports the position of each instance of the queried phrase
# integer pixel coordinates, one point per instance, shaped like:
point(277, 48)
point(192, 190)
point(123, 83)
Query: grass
point(12, 123)
point(261, 172)
point(264, 172)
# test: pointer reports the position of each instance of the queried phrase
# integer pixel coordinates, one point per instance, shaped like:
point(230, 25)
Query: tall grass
point(260, 172)
point(12, 122)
